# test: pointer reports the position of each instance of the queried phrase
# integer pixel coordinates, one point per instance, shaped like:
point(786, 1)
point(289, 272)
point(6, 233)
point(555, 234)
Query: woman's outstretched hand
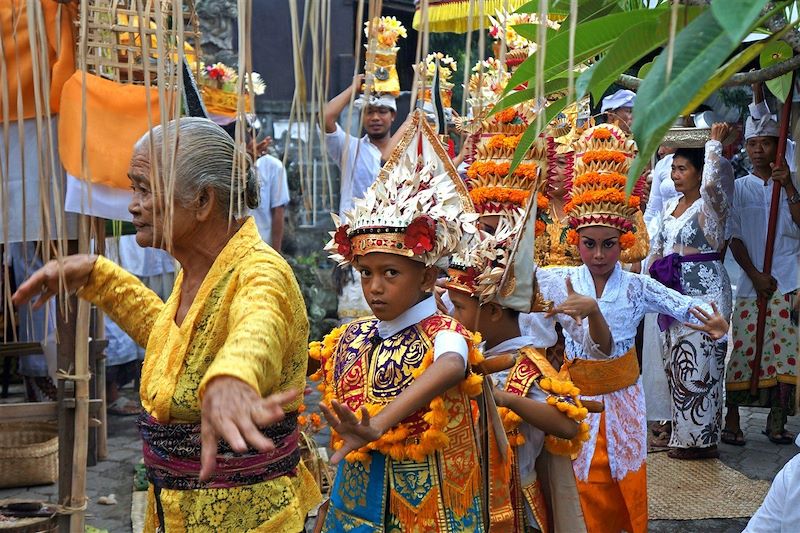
point(355, 433)
point(234, 411)
point(712, 324)
point(73, 271)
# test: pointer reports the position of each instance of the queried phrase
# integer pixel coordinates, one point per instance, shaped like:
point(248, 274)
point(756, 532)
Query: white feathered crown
point(418, 206)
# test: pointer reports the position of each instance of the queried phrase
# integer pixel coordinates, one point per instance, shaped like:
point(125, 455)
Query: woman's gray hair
point(205, 156)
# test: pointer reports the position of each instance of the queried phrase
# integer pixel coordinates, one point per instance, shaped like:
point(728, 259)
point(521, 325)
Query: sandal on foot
point(734, 438)
point(693, 454)
point(124, 407)
point(783, 438)
point(660, 441)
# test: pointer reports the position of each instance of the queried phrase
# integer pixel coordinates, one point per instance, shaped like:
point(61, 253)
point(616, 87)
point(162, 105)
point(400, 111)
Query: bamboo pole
point(81, 420)
point(769, 247)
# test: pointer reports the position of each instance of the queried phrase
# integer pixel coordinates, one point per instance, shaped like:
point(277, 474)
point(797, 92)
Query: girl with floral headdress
point(396, 385)
point(610, 468)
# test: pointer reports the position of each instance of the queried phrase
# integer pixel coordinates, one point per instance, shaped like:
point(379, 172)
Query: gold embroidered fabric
point(247, 321)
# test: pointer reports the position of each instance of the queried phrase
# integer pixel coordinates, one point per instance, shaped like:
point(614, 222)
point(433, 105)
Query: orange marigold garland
point(606, 179)
point(506, 116)
point(601, 134)
point(572, 237)
point(605, 156)
point(478, 169)
point(501, 141)
point(501, 195)
point(542, 203)
point(566, 398)
point(393, 442)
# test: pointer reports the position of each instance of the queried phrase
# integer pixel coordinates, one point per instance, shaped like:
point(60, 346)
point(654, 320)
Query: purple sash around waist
point(667, 271)
point(172, 456)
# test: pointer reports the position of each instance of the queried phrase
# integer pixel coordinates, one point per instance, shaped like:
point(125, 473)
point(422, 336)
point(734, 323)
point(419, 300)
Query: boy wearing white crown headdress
point(610, 467)
point(360, 159)
point(396, 385)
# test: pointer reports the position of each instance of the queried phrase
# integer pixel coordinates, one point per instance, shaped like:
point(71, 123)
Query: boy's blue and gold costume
point(424, 473)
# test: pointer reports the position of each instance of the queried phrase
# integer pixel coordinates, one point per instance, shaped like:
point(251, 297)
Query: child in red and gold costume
point(396, 385)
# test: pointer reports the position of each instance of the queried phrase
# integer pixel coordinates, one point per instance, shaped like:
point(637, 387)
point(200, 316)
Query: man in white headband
point(618, 108)
point(747, 231)
point(359, 160)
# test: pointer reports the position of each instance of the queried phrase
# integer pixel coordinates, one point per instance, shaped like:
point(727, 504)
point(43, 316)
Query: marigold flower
point(601, 134)
point(572, 237)
point(604, 156)
point(627, 240)
point(506, 116)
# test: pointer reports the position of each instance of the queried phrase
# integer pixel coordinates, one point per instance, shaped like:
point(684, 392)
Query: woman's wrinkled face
point(599, 248)
point(392, 284)
point(685, 175)
point(147, 208)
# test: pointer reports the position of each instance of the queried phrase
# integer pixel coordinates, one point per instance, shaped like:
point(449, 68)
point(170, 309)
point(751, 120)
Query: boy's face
point(391, 283)
point(465, 308)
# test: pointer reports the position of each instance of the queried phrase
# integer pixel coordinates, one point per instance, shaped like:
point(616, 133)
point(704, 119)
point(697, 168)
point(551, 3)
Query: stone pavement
point(758, 459)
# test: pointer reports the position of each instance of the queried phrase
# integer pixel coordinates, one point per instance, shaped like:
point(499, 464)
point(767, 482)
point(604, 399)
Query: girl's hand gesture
point(714, 325)
point(576, 305)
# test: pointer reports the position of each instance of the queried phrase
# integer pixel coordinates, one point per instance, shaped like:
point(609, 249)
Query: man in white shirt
point(359, 161)
point(274, 193)
point(618, 109)
point(747, 233)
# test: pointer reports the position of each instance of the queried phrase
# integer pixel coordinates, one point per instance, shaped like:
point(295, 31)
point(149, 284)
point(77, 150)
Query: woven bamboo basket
point(28, 454)
point(119, 31)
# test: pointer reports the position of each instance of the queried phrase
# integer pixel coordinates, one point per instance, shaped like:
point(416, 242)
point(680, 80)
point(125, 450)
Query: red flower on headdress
point(420, 235)
point(344, 245)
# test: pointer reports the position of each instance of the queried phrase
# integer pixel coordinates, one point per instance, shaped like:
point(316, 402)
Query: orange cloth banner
point(116, 117)
point(60, 51)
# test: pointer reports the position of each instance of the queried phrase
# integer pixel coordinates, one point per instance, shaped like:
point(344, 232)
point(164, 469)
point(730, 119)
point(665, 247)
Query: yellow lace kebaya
point(247, 321)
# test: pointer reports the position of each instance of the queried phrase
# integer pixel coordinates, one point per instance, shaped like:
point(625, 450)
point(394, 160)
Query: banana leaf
point(591, 38)
point(774, 53)
point(698, 50)
point(630, 47)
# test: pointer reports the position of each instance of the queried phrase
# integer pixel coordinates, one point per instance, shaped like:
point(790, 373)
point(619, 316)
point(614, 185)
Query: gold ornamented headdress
point(417, 208)
point(518, 47)
point(219, 87)
point(482, 252)
point(603, 158)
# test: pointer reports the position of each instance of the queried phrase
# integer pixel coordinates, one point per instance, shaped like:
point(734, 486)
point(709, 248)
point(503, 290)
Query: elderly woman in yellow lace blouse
point(225, 352)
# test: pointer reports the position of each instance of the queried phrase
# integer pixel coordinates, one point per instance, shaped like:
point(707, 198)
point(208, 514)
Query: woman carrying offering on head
point(225, 354)
point(688, 259)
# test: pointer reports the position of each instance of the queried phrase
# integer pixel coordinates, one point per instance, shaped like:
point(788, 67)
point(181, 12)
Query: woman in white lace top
point(687, 252)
